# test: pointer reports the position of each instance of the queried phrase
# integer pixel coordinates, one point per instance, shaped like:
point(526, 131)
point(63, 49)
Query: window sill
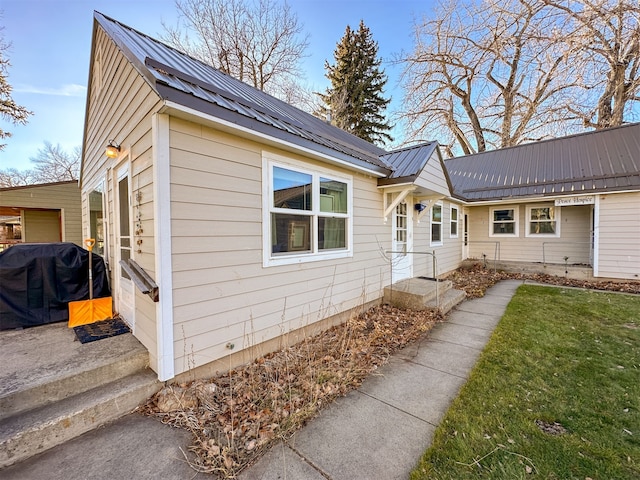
point(306, 258)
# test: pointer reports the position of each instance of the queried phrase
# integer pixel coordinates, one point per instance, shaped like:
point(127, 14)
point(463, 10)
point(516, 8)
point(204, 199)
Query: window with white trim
point(97, 224)
point(453, 219)
point(436, 224)
point(543, 221)
point(503, 221)
point(309, 214)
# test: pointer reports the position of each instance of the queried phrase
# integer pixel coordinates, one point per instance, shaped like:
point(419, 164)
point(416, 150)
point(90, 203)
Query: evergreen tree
point(355, 101)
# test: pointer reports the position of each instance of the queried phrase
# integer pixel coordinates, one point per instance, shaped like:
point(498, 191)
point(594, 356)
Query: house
point(234, 223)
point(48, 212)
point(571, 200)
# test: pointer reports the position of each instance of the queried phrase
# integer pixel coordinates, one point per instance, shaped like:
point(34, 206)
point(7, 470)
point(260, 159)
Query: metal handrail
point(434, 266)
point(544, 258)
point(496, 250)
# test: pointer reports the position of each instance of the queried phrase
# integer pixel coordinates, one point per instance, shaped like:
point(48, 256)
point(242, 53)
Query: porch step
point(423, 294)
point(68, 380)
point(34, 431)
point(448, 301)
point(54, 388)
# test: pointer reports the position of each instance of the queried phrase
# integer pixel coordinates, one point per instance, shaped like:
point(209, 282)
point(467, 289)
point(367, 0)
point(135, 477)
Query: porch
point(54, 388)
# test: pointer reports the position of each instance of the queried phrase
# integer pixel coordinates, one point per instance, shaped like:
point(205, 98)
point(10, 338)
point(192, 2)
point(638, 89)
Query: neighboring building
point(48, 212)
point(254, 219)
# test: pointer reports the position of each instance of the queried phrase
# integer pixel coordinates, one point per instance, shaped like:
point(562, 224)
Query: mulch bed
point(237, 415)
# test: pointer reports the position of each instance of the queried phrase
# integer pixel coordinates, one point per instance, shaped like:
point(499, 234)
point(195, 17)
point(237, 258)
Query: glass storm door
point(125, 293)
point(401, 260)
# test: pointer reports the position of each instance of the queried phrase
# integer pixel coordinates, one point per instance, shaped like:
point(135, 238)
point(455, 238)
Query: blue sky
point(51, 41)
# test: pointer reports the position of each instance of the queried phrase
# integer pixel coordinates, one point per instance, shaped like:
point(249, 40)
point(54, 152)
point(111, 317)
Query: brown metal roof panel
point(161, 63)
point(409, 161)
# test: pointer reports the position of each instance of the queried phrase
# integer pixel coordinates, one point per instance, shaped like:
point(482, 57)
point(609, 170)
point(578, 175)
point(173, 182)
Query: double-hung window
point(453, 219)
point(436, 225)
point(543, 221)
point(309, 214)
point(503, 221)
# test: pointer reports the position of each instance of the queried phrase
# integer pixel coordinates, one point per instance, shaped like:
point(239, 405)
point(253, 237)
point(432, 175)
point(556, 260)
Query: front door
point(125, 295)
point(401, 261)
point(465, 242)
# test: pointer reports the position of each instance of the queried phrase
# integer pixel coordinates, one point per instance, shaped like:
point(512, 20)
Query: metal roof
point(188, 82)
point(409, 162)
point(592, 162)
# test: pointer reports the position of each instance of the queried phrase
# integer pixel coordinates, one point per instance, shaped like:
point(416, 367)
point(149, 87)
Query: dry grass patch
point(475, 280)
point(235, 416)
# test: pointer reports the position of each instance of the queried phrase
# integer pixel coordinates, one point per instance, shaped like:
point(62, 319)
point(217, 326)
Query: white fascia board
point(162, 238)
point(269, 139)
point(548, 198)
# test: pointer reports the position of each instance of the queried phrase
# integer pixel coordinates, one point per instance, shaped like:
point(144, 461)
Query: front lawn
point(555, 394)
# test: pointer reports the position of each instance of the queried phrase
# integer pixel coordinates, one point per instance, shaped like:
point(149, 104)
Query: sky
point(50, 45)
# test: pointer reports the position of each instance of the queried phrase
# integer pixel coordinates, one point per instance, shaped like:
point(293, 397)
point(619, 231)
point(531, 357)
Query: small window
point(543, 221)
point(504, 221)
point(453, 231)
point(436, 224)
point(309, 215)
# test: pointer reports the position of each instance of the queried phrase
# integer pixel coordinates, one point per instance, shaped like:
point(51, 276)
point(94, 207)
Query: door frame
point(124, 288)
point(465, 234)
point(402, 264)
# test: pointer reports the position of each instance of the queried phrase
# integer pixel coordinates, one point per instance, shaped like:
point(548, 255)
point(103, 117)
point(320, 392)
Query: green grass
point(558, 355)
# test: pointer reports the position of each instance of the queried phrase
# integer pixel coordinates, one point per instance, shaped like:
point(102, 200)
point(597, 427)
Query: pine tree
point(355, 101)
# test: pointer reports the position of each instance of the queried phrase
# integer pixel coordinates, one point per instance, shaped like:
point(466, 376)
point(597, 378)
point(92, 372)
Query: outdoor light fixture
point(112, 150)
point(419, 207)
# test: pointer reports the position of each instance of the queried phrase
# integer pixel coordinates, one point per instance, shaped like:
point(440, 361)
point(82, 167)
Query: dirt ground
point(234, 417)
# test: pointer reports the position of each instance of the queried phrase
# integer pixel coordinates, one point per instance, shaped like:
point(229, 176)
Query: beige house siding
point(222, 293)
point(120, 108)
point(574, 240)
point(59, 199)
point(433, 177)
point(619, 236)
point(448, 255)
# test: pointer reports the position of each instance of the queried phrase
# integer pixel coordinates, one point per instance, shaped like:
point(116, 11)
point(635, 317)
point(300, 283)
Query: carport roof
point(592, 162)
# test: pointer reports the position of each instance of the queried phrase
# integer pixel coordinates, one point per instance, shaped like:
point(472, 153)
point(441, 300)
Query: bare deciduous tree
point(606, 37)
point(9, 109)
point(260, 43)
point(52, 164)
point(493, 74)
point(12, 177)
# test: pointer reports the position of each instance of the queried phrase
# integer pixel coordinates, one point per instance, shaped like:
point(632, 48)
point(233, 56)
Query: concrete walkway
point(378, 431)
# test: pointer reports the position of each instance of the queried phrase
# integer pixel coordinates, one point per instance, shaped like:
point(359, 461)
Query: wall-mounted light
point(419, 207)
point(112, 150)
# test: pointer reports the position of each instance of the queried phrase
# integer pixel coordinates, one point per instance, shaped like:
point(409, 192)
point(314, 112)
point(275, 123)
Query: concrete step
point(28, 433)
point(69, 380)
point(447, 301)
point(414, 293)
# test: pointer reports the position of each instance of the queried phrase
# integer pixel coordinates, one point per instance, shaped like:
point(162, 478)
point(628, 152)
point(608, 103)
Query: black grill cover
point(38, 280)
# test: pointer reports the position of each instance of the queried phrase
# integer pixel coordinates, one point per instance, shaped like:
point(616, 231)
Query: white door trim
point(123, 286)
point(402, 264)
